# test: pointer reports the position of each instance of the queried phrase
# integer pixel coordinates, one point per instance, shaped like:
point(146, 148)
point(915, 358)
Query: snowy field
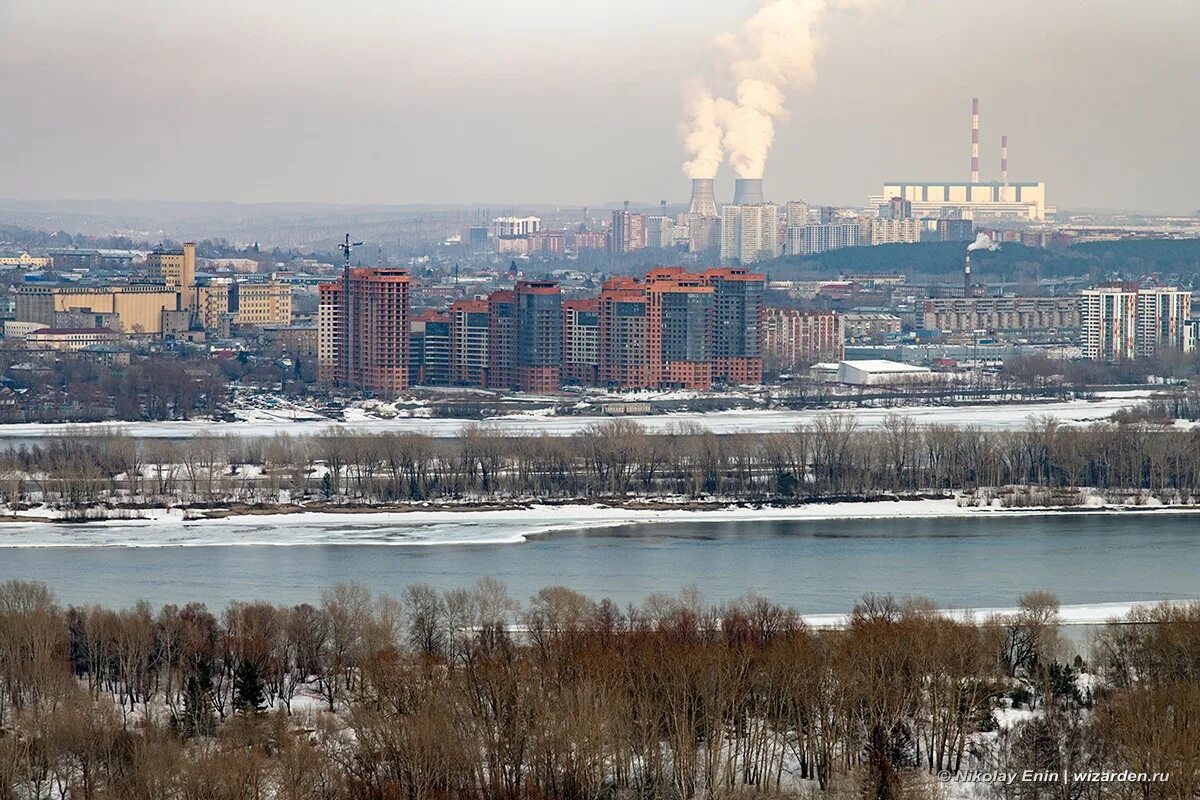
point(260, 423)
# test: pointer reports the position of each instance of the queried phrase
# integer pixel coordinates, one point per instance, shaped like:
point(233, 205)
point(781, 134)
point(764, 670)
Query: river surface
point(816, 566)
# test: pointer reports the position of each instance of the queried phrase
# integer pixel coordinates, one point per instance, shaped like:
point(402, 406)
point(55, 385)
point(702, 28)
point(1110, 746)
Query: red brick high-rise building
point(679, 328)
point(792, 338)
point(624, 351)
point(737, 324)
point(581, 342)
point(538, 354)
point(362, 330)
point(469, 351)
point(502, 336)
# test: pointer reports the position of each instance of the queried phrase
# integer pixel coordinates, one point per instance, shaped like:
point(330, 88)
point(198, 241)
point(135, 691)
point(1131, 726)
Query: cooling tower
point(704, 200)
point(747, 191)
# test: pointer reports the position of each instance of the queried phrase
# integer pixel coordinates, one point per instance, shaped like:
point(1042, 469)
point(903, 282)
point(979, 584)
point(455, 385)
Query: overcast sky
point(510, 101)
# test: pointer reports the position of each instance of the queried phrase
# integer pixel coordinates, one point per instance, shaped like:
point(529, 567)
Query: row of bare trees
point(830, 457)
point(465, 693)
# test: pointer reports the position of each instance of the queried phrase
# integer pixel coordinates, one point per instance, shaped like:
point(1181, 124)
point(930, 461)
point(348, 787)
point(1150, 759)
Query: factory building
point(178, 269)
point(873, 372)
point(974, 197)
point(1016, 314)
point(1026, 200)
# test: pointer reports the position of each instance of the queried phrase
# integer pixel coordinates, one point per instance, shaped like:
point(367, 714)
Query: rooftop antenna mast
point(346, 247)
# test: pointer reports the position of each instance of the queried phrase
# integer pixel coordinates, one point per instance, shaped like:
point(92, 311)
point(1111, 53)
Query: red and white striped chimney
point(1004, 161)
point(974, 140)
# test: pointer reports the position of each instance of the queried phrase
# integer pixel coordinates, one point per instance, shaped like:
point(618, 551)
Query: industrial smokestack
point(704, 199)
point(1003, 163)
point(967, 275)
point(974, 140)
point(747, 191)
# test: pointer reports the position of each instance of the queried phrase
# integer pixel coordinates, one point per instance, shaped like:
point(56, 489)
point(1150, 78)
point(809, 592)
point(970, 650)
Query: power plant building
point(1026, 200)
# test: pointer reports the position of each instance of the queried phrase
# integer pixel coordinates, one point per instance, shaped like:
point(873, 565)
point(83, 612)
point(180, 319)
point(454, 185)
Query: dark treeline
point(830, 458)
point(465, 694)
point(1093, 260)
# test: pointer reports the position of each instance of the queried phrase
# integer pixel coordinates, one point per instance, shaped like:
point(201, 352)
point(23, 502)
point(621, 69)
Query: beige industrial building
point(139, 307)
point(212, 302)
point(958, 314)
point(178, 268)
point(23, 261)
point(260, 304)
point(69, 339)
point(246, 303)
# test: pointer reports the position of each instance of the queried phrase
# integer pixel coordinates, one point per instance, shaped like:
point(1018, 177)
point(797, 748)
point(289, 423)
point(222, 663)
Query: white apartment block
point(1124, 321)
point(1162, 316)
point(749, 233)
point(803, 240)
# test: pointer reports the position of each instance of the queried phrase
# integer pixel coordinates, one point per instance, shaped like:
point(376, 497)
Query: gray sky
point(509, 101)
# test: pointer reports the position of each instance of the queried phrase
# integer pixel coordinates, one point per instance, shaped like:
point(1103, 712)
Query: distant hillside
point(1128, 259)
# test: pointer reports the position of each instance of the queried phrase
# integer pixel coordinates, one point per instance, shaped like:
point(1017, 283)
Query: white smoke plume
point(702, 134)
point(773, 52)
point(982, 242)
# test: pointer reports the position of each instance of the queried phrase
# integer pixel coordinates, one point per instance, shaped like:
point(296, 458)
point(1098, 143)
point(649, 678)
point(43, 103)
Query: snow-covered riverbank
point(987, 417)
point(427, 525)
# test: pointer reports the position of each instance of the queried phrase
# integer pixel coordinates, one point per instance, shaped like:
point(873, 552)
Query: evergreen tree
point(198, 719)
point(247, 687)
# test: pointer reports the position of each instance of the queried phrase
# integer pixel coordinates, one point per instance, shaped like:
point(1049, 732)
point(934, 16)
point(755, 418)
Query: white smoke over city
point(773, 52)
point(982, 242)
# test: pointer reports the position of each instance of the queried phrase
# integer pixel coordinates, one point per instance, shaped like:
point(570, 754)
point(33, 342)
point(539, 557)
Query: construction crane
point(346, 247)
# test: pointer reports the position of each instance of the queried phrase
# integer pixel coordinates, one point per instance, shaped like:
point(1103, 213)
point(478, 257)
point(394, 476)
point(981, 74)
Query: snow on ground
point(169, 528)
point(988, 417)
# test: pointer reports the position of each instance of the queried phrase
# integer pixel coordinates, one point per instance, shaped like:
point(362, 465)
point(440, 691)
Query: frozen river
point(989, 417)
point(820, 566)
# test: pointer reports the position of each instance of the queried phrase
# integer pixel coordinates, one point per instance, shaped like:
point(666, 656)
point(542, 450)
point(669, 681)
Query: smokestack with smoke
point(774, 51)
point(982, 242)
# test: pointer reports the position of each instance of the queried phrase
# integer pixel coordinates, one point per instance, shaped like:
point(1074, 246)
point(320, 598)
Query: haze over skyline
point(533, 101)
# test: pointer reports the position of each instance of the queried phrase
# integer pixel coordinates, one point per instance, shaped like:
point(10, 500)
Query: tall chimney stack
point(1003, 165)
point(967, 275)
point(704, 199)
point(974, 140)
